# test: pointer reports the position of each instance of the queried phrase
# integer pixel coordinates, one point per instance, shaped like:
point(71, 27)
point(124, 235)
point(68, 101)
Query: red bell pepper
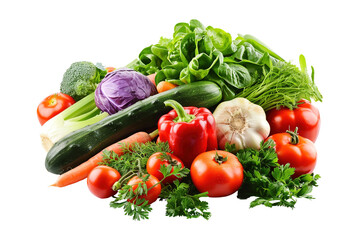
point(188, 130)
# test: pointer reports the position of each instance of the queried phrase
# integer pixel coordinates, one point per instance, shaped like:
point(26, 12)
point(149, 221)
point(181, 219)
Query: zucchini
point(80, 145)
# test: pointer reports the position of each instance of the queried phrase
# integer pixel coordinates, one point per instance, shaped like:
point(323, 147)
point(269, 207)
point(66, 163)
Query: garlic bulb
point(242, 123)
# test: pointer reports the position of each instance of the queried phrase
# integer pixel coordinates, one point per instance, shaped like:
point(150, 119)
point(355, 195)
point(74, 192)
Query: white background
point(40, 39)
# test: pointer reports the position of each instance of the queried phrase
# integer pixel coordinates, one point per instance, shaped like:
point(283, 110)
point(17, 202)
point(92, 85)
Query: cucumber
point(78, 146)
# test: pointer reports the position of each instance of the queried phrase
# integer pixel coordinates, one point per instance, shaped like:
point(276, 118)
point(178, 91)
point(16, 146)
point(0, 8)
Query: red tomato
point(306, 118)
point(152, 193)
point(156, 160)
point(217, 172)
point(298, 151)
point(101, 179)
point(53, 105)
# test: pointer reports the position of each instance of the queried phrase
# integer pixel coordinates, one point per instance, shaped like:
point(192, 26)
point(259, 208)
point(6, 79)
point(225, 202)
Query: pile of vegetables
point(197, 115)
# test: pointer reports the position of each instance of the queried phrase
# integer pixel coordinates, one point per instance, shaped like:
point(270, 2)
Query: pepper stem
point(183, 116)
point(294, 136)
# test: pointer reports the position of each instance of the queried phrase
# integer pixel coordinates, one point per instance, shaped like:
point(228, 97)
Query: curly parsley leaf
point(181, 203)
point(269, 181)
point(138, 207)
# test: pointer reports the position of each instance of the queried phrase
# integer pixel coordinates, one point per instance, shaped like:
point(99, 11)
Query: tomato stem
point(219, 159)
point(294, 136)
point(167, 157)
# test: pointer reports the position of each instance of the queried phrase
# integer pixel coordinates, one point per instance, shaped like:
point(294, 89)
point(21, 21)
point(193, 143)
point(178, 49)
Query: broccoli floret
point(81, 79)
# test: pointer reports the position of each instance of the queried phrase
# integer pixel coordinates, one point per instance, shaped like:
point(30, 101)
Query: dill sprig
point(283, 85)
point(129, 160)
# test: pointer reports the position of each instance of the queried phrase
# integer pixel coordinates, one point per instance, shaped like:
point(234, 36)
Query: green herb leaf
point(269, 181)
point(128, 161)
point(181, 203)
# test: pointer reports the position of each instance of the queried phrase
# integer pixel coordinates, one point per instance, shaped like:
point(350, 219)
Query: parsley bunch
point(184, 200)
point(182, 197)
point(139, 209)
point(269, 181)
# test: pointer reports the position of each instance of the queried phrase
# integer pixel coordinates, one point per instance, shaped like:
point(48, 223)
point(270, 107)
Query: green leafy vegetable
point(269, 181)
point(182, 201)
point(243, 66)
point(199, 52)
point(139, 209)
point(283, 85)
point(182, 198)
point(234, 74)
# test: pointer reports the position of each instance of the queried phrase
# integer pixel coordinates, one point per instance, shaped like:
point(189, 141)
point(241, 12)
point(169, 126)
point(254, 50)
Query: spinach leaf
point(246, 51)
point(228, 92)
point(173, 71)
point(150, 63)
point(196, 24)
point(186, 76)
point(221, 40)
point(160, 76)
point(201, 64)
point(234, 74)
point(203, 43)
point(180, 30)
point(159, 51)
point(187, 48)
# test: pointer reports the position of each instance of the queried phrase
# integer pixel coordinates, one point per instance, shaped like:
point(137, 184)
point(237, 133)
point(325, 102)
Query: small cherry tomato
point(101, 179)
point(306, 118)
point(153, 186)
point(217, 172)
point(53, 105)
point(156, 160)
point(298, 151)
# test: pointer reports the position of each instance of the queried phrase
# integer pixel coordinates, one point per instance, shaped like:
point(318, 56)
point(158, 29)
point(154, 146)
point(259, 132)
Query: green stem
point(182, 115)
point(219, 159)
point(165, 157)
point(140, 172)
point(125, 178)
point(154, 134)
point(294, 136)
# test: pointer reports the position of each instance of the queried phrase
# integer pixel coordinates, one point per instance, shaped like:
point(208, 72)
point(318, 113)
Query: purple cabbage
point(121, 89)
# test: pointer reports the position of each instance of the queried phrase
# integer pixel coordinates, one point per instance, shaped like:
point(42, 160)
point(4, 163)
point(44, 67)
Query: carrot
point(82, 171)
point(164, 86)
point(152, 78)
point(110, 69)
